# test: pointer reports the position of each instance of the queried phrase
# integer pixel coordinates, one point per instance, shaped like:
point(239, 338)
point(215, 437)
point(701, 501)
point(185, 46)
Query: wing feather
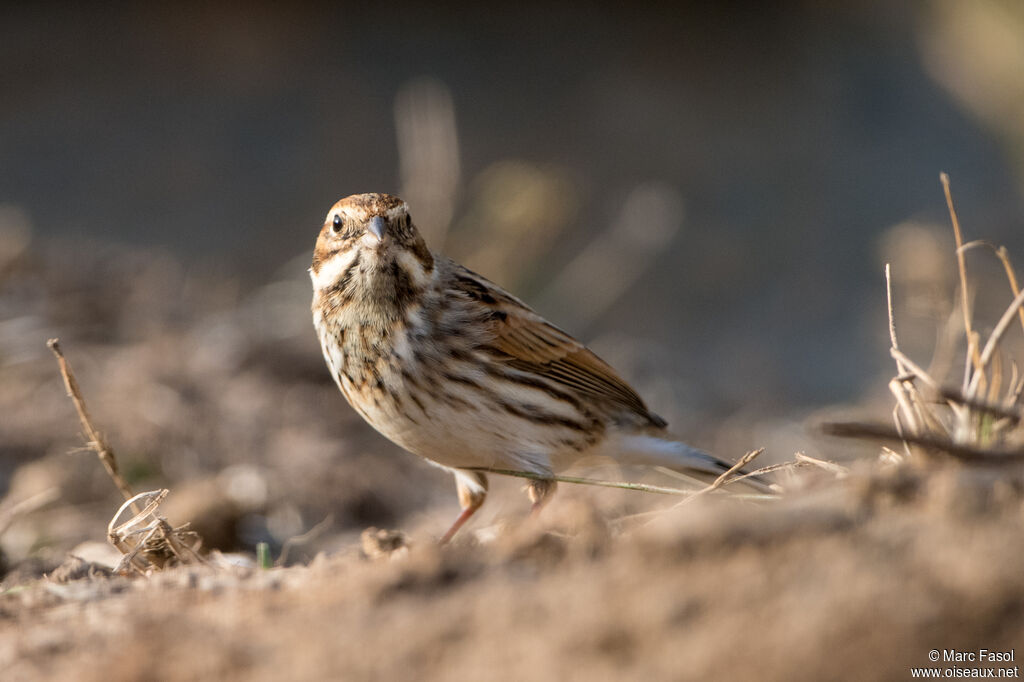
point(530, 343)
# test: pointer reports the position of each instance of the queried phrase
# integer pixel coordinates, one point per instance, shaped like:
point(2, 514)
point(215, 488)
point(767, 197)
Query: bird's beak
point(377, 226)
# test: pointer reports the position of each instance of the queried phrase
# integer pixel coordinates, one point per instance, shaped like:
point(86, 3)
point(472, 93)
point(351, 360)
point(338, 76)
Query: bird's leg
point(472, 489)
point(539, 492)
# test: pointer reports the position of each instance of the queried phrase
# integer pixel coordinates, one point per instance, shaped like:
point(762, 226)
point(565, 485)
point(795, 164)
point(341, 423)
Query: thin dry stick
point(926, 417)
point(178, 547)
point(997, 333)
point(154, 498)
point(129, 559)
point(681, 476)
point(971, 343)
point(897, 419)
point(894, 350)
point(892, 318)
point(1011, 275)
point(96, 440)
point(837, 469)
point(641, 487)
point(771, 468)
point(1009, 400)
point(947, 337)
point(911, 367)
point(583, 481)
point(720, 482)
point(800, 461)
point(963, 451)
point(993, 342)
point(909, 414)
point(1004, 257)
point(995, 409)
point(724, 478)
point(8, 513)
point(903, 364)
point(997, 379)
point(1013, 396)
point(296, 540)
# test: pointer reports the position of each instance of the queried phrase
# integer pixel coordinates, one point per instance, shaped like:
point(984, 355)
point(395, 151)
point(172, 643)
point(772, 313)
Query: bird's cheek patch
point(332, 268)
point(412, 265)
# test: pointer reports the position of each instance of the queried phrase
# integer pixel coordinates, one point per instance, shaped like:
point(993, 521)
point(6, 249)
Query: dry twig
point(962, 267)
point(720, 482)
point(299, 540)
point(962, 451)
point(146, 539)
point(10, 512)
point(727, 477)
point(96, 440)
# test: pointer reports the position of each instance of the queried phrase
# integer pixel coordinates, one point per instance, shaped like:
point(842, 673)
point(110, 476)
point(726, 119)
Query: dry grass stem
point(1011, 412)
point(642, 487)
point(962, 267)
point(682, 476)
point(299, 540)
point(995, 337)
point(963, 451)
point(10, 512)
point(772, 468)
point(1004, 257)
point(96, 440)
point(892, 316)
point(837, 469)
point(726, 478)
point(720, 482)
point(911, 369)
point(800, 460)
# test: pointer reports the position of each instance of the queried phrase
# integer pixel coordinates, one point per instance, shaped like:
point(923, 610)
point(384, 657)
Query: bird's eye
point(336, 225)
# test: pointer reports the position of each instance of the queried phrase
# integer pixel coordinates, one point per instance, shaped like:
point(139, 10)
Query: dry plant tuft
point(981, 420)
point(147, 541)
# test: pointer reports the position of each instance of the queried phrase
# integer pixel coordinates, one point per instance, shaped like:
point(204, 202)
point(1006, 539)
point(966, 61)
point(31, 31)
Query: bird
point(451, 367)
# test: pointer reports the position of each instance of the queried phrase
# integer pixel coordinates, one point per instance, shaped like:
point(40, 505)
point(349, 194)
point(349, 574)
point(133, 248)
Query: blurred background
point(706, 194)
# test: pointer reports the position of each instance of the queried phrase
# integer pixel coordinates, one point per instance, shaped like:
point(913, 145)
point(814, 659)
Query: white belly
point(451, 423)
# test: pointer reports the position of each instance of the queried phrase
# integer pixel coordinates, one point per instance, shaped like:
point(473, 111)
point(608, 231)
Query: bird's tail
point(654, 451)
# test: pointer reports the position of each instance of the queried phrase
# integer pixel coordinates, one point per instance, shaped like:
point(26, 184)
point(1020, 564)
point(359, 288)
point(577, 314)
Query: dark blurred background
point(792, 135)
point(705, 192)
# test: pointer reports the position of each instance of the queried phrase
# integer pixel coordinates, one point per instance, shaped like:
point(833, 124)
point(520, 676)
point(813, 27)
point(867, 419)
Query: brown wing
point(530, 343)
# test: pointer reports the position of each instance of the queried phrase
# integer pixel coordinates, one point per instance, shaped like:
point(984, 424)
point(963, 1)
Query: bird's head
point(369, 249)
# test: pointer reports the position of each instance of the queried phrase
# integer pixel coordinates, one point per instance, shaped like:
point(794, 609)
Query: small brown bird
point(455, 369)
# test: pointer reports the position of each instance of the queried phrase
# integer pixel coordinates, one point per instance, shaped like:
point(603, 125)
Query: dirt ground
point(859, 580)
point(853, 578)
